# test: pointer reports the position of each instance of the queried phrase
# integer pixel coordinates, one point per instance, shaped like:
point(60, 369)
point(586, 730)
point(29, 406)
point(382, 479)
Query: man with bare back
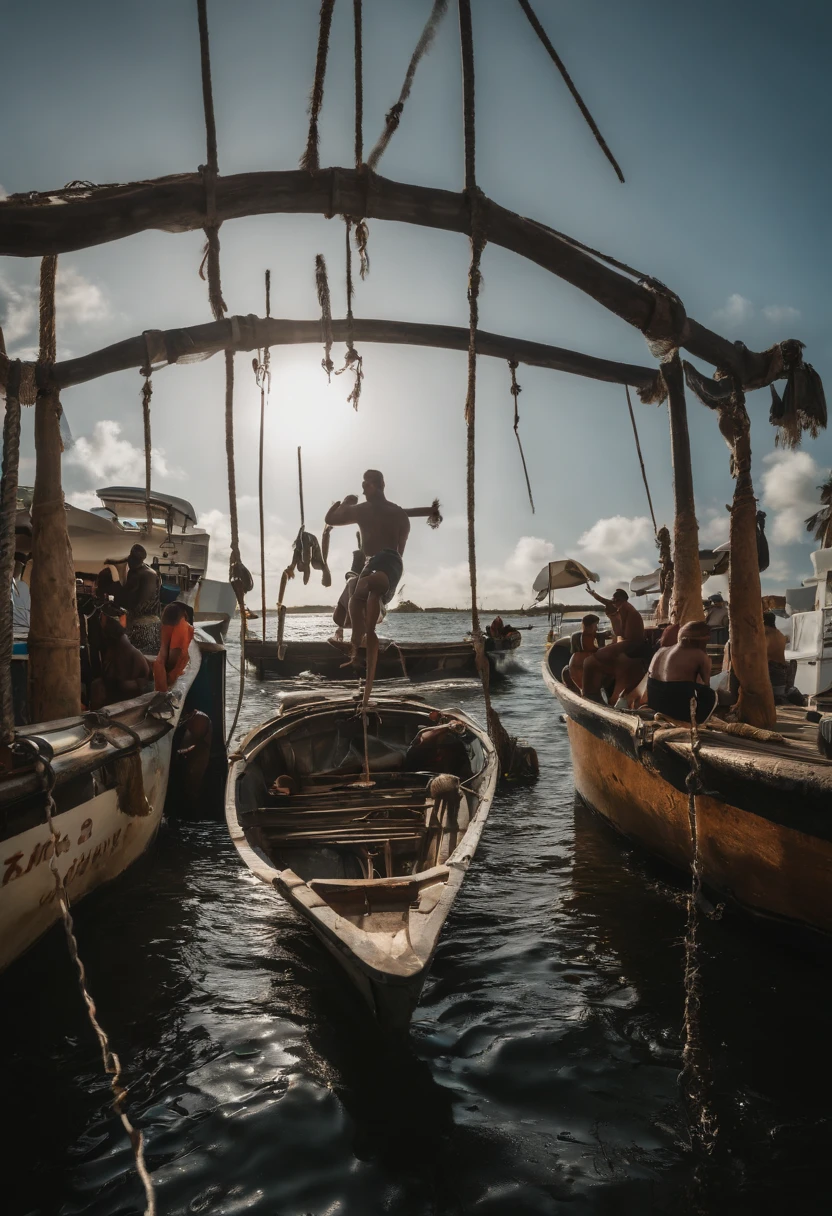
point(384, 528)
point(625, 659)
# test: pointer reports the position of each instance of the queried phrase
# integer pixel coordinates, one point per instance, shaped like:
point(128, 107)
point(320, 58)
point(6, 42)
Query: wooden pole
point(54, 643)
point(745, 606)
point(687, 581)
point(8, 502)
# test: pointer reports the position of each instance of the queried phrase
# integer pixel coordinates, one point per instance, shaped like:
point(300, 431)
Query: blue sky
point(717, 113)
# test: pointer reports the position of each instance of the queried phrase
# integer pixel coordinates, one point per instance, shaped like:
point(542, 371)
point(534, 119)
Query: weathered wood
point(8, 501)
point(687, 581)
point(62, 220)
point(251, 333)
point(54, 644)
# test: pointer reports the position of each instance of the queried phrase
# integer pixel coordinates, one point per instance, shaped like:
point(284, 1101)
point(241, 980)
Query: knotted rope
point(515, 391)
point(263, 377)
point(111, 1062)
point(559, 64)
point(309, 160)
point(695, 1079)
point(8, 511)
point(359, 83)
point(352, 360)
point(147, 393)
point(322, 289)
point(239, 576)
point(394, 114)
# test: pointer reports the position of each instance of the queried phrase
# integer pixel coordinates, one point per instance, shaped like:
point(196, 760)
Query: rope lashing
point(322, 289)
point(516, 390)
point(559, 64)
point(394, 114)
point(263, 377)
point(352, 360)
point(641, 460)
point(147, 393)
point(359, 82)
point(694, 1078)
point(111, 1062)
point(8, 508)
point(309, 160)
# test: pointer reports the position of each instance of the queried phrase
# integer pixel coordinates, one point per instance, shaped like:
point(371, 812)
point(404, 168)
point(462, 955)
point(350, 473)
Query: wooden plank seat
point(348, 834)
point(358, 895)
point(281, 816)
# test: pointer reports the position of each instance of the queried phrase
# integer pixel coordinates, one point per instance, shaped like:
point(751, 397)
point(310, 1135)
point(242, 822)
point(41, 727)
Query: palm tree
point(821, 522)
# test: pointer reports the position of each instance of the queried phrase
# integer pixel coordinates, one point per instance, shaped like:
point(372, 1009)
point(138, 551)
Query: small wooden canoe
point(374, 870)
point(396, 660)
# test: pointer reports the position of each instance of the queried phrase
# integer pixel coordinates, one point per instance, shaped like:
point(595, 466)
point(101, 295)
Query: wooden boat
point(375, 871)
point(111, 777)
point(396, 660)
point(763, 822)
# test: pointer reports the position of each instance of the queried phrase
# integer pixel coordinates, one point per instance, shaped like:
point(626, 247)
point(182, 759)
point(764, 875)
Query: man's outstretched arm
point(608, 604)
point(342, 512)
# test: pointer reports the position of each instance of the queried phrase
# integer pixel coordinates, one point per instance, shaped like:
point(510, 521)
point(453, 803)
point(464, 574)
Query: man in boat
point(177, 635)
point(384, 528)
point(582, 644)
point(141, 597)
point(125, 670)
point(680, 672)
point(626, 659)
point(778, 670)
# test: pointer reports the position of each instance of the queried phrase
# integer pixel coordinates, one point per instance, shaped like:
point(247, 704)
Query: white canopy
point(711, 561)
point(557, 575)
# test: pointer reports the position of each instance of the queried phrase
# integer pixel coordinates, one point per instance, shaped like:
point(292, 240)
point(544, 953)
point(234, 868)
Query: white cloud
point(735, 311)
point(504, 586)
point(713, 528)
point(278, 554)
point(790, 490)
point(78, 302)
point(618, 548)
point(106, 457)
point(781, 314)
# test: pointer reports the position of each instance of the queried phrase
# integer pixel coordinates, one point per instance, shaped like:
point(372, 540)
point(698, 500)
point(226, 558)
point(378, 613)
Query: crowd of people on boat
point(129, 643)
point(664, 666)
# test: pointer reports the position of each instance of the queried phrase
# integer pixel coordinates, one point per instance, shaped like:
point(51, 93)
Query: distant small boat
point(411, 660)
point(374, 870)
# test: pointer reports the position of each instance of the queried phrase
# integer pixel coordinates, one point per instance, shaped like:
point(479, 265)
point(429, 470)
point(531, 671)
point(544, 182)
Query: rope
point(352, 361)
point(694, 1078)
point(559, 64)
point(641, 461)
point(8, 511)
point(263, 376)
point(359, 83)
point(147, 393)
point(48, 275)
point(309, 160)
point(394, 114)
point(515, 392)
point(322, 289)
point(111, 1062)
point(300, 492)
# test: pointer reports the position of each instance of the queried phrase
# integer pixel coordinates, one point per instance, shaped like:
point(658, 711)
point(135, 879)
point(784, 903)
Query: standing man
point(141, 597)
point(384, 528)
point(625, 659)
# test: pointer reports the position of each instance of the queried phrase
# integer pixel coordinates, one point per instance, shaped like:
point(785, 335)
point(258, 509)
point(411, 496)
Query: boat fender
point(825, 738)
point(284, 786)
point(446, 783)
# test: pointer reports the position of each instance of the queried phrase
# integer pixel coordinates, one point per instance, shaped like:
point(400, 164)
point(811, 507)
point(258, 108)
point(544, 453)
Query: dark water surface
point(541, 1071)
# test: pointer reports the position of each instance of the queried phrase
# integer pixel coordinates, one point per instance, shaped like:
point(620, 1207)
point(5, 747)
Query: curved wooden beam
point(251, 333)
point(35, 224)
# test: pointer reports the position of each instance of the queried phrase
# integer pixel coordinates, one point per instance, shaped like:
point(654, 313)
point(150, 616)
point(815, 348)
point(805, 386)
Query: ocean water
point(541, 1071)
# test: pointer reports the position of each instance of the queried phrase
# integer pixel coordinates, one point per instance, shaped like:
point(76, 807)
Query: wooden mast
point(687, 575)
point(54, 645)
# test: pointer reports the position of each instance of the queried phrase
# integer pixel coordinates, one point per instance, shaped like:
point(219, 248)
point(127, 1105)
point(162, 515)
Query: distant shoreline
point(535, 610)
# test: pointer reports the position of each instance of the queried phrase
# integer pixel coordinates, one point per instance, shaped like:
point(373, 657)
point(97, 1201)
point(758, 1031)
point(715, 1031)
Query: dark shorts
point(778, 673)
point(672, 698)
point(640, 650)
point(389, 562)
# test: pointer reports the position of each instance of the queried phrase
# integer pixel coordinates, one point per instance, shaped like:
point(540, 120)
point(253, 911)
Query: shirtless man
point(778, 671)
point(680, 672)
point(384, 528)
point(582, 644)
point(624, 659)
point(125, 671)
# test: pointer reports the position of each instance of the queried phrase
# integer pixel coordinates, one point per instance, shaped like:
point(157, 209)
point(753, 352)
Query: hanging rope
point(394, 114)
point(695, 1075)
point(8, 513)
point(263, 377)
point(309, 160)
point(352, 361)
point(147, 393)
point(322, 288)
point(515, 392)
point(359, 83)
point(641, 460)
point(560, 65)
